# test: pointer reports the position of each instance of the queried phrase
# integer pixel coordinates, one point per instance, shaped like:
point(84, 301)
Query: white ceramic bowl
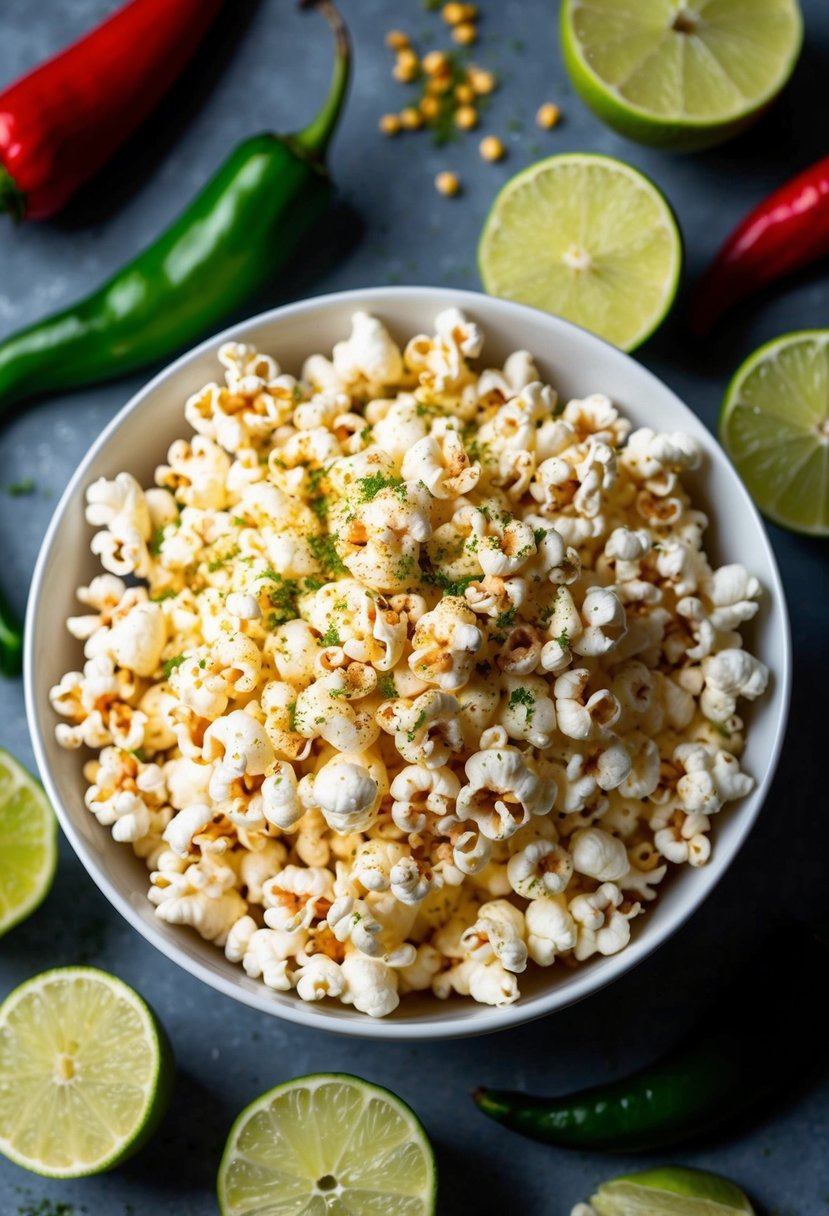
point(576, 363)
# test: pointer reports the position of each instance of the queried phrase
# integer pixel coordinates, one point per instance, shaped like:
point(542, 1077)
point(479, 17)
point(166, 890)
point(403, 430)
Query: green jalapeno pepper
point(765, 1033)
point(227, 245)
point(11, 639)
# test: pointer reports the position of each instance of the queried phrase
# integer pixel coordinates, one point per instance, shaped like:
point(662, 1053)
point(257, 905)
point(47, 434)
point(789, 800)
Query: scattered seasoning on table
point(448, 183)
point(548, 116)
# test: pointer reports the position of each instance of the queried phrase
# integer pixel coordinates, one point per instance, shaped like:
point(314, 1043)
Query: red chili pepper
point(788, 230)
point(63, 121)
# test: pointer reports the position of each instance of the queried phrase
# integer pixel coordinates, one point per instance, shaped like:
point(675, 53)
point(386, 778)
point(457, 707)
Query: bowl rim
point(482, 1019)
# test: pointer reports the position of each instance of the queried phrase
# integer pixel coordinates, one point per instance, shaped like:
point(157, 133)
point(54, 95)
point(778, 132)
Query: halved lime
point(774, 425)
point(28, 843)
point(681, 74)
point(670, 1190)
point(588, 238)
point(85, 1072)
point(327, 1145)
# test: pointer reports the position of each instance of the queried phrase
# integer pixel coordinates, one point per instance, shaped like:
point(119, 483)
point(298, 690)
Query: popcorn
point(422, 679)
point(601, 927)
point(503, 792)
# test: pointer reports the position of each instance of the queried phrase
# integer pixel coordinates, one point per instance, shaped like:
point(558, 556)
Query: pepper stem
point(314, 138)
point(11, 198)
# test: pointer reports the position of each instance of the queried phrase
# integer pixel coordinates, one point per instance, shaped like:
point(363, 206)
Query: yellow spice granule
point(406, 66)
point(411, 118)
point(435, 62)
point(397, 40)
point(492, 148)
point(448, 183)
point(389, 124)
point(466, 117)
point(481, 80)
point(453, 14)
point(465, 33)
point(548, 116)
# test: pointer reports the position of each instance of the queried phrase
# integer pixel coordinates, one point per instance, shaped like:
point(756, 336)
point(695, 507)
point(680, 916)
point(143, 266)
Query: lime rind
point(23, 889)
point(671, 1190)
point(93, 1114)
point(700, 68)
point(635, 259)
point(774, 405)
point(287, 1139)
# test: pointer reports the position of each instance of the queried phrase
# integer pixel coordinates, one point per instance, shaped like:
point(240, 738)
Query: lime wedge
point(327, 1145)
point(28, 843)
point(774, 425)
point(587, 238)
point(671, 1190)
point(85, 1073)
point(680, 74)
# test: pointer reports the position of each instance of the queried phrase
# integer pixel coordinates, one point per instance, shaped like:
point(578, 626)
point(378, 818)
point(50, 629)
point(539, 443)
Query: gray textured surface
point(268, 66)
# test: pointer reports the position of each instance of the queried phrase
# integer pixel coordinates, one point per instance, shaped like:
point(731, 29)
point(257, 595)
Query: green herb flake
point(523, 696)
point(18, 489)
point(371, 486)
point(282, 599)
point(223, 559)
point(387, 687)
point(330, 637)
point(505, 620)
point(170, 664)
point(157, 541)
point(324, 550)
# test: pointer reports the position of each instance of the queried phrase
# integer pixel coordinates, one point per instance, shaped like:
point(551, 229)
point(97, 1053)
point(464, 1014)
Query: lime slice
point(327, 1145)
point(587, 238)
point(774, 425)
point(670, 1190)
point(680, 74)
point(85, 1073)
point(28, 843)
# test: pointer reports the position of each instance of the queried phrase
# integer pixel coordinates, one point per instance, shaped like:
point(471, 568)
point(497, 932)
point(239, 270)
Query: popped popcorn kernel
point(421, 679)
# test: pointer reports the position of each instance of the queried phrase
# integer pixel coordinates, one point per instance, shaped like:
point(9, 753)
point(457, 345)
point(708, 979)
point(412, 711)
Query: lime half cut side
point(681, 74)
point(327, 1145)
point(85, 1073)
point(774, 425)
point(671, 1190)
point(28, 843)
point(588, 238)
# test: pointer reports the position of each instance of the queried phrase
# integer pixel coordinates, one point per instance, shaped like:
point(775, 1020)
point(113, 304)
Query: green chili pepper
point(763, 1034)
point(227, 245)
point(11, 639)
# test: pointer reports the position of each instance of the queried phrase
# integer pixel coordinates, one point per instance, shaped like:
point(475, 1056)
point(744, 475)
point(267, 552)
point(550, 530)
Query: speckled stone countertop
point(267, 66)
